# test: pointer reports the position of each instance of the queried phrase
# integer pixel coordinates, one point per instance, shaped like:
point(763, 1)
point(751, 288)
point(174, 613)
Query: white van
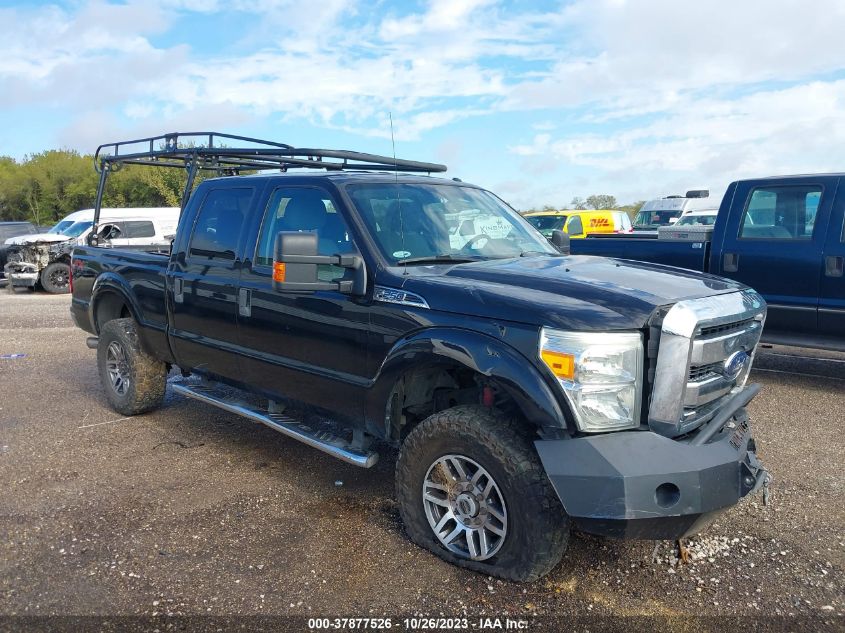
point(137, 226)
point(666, 211)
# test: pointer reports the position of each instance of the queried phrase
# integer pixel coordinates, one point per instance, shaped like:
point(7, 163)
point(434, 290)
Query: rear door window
point(217, 228)
point(138, 228)
point(781, 213)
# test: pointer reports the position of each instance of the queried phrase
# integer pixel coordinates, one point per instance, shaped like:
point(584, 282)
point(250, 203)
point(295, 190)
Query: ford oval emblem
point(735, 363)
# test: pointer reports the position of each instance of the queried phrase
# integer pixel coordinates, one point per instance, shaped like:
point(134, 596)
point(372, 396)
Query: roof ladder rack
point(229, 154)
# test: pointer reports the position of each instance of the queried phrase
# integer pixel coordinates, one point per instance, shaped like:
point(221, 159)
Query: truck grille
point(725, 328)
point(705, 351)
point(703, 371)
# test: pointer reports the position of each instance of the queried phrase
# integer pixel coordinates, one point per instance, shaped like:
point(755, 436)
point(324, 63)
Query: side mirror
point(560, 240)
point(295, 262)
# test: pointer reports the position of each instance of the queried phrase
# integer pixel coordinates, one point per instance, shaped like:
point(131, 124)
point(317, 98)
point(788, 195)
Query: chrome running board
point(325, 441)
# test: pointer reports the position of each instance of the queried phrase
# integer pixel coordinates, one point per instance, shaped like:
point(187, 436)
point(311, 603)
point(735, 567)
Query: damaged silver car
point(39, 263)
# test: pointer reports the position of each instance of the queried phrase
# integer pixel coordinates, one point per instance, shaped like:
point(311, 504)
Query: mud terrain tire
point(134, 382)
point(537, 531)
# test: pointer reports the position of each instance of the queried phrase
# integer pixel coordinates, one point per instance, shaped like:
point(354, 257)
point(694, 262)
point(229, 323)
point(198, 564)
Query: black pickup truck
point(527, 391)
point(783, 236)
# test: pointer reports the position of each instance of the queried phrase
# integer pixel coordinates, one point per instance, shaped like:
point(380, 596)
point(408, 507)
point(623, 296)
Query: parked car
point(10, 230)
point(44, 259)
point(782, 236)
point(580, 223)
point(526, 391)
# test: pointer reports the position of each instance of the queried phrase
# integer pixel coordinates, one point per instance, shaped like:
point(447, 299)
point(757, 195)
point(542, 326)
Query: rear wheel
point(472, 490)
point(134, 381)
point(55, 278)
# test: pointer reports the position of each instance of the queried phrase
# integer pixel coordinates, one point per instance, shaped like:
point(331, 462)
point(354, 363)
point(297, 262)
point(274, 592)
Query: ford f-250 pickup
point(527, 391)
point(783, 236)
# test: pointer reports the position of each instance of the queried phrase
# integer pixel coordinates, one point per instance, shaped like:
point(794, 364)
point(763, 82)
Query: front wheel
point(472, 490)
point(55, 278)
point(134, 381)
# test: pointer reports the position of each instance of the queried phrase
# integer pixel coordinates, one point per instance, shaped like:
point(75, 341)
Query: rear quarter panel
point(137, 277)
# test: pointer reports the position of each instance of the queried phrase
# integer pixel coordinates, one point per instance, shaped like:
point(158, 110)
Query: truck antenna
point(396, 181)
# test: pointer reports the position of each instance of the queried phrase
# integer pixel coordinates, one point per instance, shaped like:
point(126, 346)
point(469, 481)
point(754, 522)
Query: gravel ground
point(189, 510)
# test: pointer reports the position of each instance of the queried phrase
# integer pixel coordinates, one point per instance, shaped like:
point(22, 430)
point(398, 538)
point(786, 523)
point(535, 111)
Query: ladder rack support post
point(98, 203)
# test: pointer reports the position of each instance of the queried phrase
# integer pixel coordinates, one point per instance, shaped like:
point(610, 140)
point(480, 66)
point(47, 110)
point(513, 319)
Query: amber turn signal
point(278, 271)
point(562, 365)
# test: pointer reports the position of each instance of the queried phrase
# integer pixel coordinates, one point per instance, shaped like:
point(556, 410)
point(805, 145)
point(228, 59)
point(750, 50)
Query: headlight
point(600, 375)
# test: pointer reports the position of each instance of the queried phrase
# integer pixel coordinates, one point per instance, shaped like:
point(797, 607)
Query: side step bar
point(327, 442)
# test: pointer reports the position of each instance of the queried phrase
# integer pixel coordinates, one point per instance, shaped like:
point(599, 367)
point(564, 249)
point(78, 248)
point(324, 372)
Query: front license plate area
point(739, 434)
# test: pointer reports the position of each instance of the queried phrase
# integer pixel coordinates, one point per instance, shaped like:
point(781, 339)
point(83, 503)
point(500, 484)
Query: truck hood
point(32, 238)
point(575, 292)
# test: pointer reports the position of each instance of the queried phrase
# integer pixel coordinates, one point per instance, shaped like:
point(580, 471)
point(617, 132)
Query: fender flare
point(483, 354)
point(109, 282)
point(152, 337)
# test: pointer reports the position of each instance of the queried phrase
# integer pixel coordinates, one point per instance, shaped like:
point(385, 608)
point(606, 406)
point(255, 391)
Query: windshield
point(656, 218)
point(687, 220)
point(60, 226)
point(438, 221)
point(547, 223)
point(77, 228)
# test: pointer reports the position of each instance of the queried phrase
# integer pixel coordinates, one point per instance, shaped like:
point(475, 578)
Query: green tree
point(47, 186)
point(578, 203)
point(601, 201)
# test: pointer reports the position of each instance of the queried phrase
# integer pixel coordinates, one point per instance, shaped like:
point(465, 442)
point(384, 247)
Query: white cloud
point(797, 129)
point(626, 97)
point(641, 55)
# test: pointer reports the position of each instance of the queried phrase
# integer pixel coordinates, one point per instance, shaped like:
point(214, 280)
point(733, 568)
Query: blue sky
point(538, 101)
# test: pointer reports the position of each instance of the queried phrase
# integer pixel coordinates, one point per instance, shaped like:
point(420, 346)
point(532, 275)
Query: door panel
point(304, 345)
point(832, 296)
point(774, 241)
point(203, 282)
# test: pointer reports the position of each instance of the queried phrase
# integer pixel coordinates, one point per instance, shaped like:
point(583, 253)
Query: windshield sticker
point(402, 254)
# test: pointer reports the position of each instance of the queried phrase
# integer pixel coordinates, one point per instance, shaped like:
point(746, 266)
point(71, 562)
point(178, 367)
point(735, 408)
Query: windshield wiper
point(530, 253)
point(443, 258)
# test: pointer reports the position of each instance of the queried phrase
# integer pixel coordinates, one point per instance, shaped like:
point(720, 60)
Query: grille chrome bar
point(715, 349)
point(699, 340)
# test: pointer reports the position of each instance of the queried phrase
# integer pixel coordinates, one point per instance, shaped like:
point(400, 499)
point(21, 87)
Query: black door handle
point(245, 302)
point(730, 262)
point(834, 266)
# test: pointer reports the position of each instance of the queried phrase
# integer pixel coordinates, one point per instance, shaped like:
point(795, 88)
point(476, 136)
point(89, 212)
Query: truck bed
point(692, 255)
point(140, 274)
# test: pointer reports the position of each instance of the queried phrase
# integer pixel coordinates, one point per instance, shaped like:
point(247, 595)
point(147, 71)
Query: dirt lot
point(189, 510)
